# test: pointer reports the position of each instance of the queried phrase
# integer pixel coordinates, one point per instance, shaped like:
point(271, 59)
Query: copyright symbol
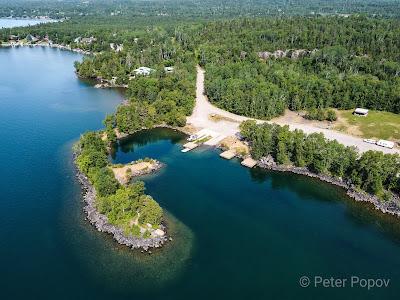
point(304, 281)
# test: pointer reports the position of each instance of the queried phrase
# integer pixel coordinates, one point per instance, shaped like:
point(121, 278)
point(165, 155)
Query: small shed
point(361, 112)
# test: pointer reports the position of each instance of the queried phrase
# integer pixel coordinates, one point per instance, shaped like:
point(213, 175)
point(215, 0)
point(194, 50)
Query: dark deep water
point(238, 233)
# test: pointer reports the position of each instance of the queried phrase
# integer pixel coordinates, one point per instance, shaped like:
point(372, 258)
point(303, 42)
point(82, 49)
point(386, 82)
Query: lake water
point(9, 23)
point(238, 233)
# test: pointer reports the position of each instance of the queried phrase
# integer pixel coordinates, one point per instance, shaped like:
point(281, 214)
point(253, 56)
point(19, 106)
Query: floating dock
point(189, 146)
point(228, 154)
point(249, 162)
point(205, 136)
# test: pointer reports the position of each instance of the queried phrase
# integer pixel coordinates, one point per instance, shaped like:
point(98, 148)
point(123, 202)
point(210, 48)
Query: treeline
point(356, 63)
point(156, 100)
point(120, 204)
point(373, 171)
point(206, 9)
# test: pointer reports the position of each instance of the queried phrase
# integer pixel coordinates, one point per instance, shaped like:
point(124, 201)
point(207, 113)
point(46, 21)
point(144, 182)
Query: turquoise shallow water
point(238, 233)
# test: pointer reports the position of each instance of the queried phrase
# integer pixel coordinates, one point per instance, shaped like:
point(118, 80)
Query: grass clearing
point(378, 125)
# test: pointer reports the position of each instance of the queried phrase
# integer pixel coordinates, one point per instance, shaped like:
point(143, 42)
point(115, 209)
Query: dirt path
point(228, 123)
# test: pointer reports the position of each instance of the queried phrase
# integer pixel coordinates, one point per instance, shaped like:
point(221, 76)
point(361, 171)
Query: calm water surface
point(9, 23)
point(238, 233)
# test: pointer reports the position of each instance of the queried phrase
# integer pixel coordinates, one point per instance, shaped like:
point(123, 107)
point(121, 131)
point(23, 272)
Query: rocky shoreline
point(391, 206)
point(47, 44)
point(101, 223)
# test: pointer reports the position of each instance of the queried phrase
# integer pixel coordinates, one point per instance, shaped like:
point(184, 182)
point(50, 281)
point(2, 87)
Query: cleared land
point(200, 118)
point(124, 173)
point(378, 125)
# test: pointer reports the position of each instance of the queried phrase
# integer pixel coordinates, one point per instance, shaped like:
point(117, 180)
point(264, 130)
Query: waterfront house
point(13, 37)
point(145, 71)
point(88, 41)
point(31, 38)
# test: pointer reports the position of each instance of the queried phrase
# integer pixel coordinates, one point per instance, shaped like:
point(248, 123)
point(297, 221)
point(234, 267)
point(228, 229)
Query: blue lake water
point(238, 233)
point(9, 23)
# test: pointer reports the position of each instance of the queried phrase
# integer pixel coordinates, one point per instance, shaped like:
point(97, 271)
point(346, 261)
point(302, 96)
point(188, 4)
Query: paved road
point(203, 109)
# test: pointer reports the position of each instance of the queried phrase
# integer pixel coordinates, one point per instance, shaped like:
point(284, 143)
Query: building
point(361, 112)
point(88, 41)
point(169, 69)
point(116, 47)
point(145, 71)
point(31, 38)
point(13, 37)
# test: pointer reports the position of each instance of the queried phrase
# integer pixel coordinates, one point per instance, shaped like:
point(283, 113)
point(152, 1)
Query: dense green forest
point(373, 171)
point(120, 204)
point(349, 62)
point(205, 9)
point(345, 61)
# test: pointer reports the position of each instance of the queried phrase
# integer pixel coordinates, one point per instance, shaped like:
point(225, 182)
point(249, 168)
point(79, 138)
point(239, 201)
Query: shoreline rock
point(46, 44)
point(100, 221)
point(391, 206)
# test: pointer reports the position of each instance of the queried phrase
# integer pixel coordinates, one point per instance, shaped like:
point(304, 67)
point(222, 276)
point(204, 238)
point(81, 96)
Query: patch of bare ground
point(219, 118)
point(125, 173)
point(298, 118)
point(344, 126)
point(232, 143)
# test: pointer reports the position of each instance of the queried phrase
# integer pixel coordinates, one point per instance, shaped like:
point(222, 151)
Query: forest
point(205, 9)
point(119, 203)
point(323, 62)
point(347, 62)
point(373, 171)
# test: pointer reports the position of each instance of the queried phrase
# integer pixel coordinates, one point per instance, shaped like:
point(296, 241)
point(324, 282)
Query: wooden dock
point(189, 146)
point(228, 154)
point(249, 162)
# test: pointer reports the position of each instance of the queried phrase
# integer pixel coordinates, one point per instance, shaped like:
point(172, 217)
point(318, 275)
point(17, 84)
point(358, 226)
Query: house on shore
point(360, 112)
point(13, 37)
point(144, 71)
point(31, 38)
point(87, 41)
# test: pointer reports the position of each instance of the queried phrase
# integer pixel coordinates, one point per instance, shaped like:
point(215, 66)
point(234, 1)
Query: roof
point(143, 70)
point(361, 111)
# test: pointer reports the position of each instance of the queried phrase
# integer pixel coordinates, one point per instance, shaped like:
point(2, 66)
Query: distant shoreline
point(49, 45)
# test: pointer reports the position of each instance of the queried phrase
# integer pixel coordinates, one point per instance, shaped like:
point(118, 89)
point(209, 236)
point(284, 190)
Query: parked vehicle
point(386, 144)
point(192, 138)
point(370, 141)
